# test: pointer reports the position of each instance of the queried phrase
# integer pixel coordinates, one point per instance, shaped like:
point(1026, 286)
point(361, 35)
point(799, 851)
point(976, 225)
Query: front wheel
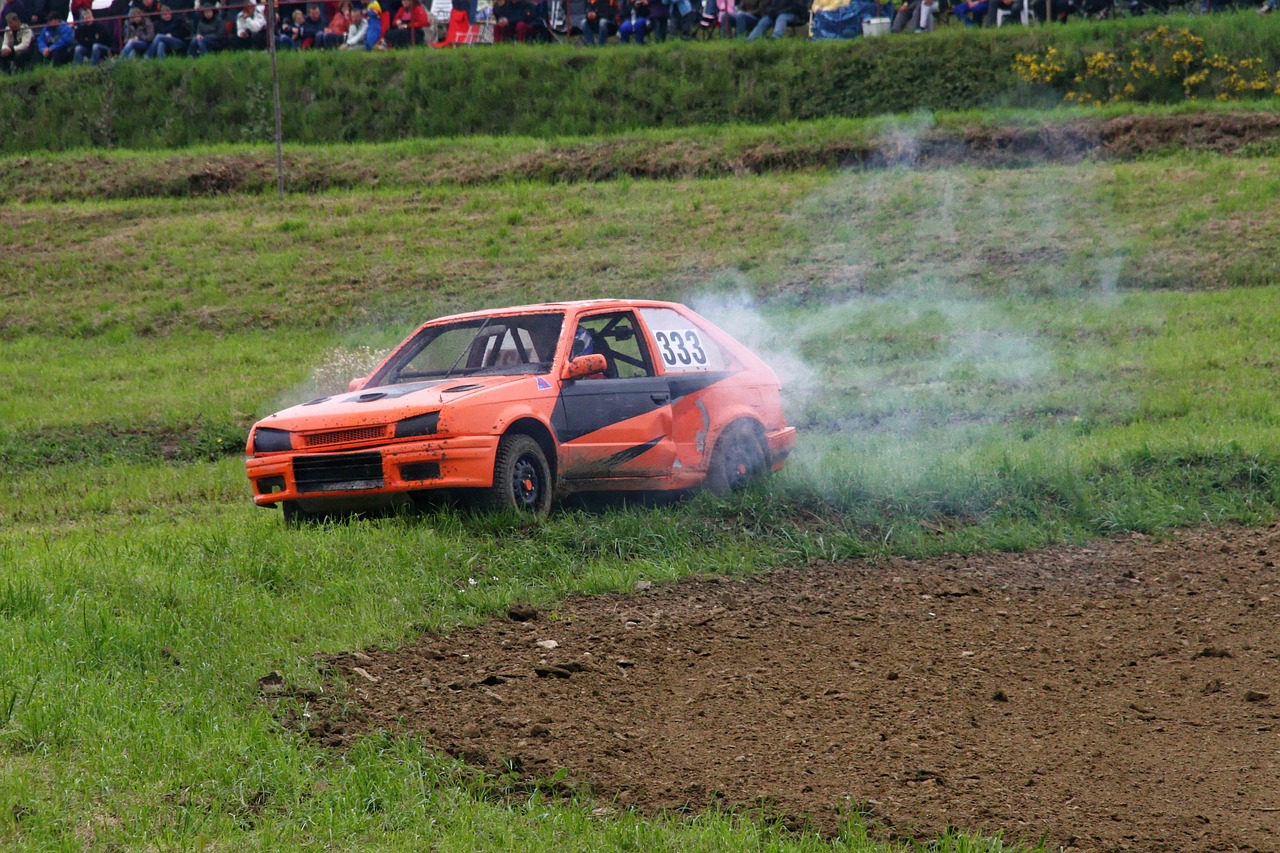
point(294, 515)
point(521, 477)
point(737, 461)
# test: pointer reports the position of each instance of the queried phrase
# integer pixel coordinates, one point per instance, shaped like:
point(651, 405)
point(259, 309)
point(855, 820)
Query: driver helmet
point(584, 343)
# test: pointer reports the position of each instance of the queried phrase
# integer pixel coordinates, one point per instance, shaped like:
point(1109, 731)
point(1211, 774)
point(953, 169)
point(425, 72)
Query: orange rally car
point(521, 405)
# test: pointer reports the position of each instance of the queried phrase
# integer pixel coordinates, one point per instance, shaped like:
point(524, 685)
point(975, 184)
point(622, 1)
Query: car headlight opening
point(267, 440)
point(418, 425)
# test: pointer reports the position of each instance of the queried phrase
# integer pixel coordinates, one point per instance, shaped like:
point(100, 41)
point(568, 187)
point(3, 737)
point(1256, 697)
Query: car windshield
point(487, 346)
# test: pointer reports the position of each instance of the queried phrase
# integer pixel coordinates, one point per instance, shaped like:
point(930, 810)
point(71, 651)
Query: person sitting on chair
point(780, 14)
point(970, 12)
point(513, 19)
point(915, 16)
point(412, 25)
point(600, 21)
point(996, 6)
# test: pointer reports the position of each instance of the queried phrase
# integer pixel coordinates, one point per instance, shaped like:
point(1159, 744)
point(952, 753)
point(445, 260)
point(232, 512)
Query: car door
point(696, 369)
point(617, 424)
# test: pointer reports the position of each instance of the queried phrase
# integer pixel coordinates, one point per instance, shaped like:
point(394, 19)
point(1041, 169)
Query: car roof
point(562, 306)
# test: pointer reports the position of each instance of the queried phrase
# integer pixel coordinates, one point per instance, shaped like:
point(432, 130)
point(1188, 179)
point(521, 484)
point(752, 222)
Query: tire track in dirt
point(1121, 695)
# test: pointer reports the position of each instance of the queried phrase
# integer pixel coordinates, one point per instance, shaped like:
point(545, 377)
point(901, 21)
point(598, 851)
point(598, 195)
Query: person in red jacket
point(600, 22)
point(412, 25)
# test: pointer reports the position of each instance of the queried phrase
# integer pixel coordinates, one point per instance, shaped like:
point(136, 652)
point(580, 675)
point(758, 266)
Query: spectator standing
point(600, 22)
point(290, 35)
point(336, 32)
point(14, 7)
point(747, 15)
point(659, 16)
point(780, 14)
point(56, 41)
point(172, 33)
point(137, 34)
point(635, 21)
point(208, 34)
point(61, 9)
point(411, 26)
point(251, 28)
point(93, 42)
point(683, 18)
point(18, 47)
point(150, 8)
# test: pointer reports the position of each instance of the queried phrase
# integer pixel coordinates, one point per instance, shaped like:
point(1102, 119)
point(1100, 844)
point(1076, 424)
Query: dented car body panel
point(667, 387)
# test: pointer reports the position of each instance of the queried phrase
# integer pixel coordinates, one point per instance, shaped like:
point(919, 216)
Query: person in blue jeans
point(209, 33)
point(137, 34)
point(93, 42)
point(600, 22)
point(970, 12)
point(172, 33)
point(746, 15)
point(780, 14)
point(635, 21)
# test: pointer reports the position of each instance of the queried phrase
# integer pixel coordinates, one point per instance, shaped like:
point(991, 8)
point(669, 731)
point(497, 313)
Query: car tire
point(294, 515)
point(521, 477)
point(737, 461)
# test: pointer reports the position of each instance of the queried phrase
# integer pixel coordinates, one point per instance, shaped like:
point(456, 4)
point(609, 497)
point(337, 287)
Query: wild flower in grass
point(1164, 65)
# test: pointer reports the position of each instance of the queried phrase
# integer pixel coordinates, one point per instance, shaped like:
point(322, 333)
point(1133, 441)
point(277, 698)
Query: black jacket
point(91, 33)
point(783, 7)
point(176, 27)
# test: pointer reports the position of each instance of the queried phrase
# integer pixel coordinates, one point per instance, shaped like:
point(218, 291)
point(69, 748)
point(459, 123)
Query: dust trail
point(920, 333)
point(331, 374)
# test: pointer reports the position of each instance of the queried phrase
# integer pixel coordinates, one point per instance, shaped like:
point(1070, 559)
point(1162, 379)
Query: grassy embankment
point(978, 359)
point(550, 91)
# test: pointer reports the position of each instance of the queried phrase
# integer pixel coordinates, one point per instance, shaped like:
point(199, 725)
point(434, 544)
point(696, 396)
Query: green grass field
point(976, 358)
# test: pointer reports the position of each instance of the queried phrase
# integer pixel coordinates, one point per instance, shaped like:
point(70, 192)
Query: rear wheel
point(737, 460)
point(521, 477)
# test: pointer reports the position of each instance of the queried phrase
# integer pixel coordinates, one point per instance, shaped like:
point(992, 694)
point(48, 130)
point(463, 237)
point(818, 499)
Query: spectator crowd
point(58, 32)
point(41, 31)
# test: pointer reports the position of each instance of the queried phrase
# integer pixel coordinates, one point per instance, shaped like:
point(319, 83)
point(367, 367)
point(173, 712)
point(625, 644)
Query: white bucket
point(876, 26)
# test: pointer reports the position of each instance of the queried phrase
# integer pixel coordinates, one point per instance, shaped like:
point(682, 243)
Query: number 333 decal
point(680, 347)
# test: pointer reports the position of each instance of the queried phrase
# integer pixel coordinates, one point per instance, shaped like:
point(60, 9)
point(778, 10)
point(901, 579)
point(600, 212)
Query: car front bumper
point(458, 462)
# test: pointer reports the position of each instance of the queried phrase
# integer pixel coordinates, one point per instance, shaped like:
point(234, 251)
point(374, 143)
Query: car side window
point(683, 345)
point(617, 338)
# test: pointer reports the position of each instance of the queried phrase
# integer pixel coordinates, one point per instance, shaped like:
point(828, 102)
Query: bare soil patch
point(1121, 695)
point(182, 175)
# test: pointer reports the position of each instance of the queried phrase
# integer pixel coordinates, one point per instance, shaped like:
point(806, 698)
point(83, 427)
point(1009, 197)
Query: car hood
point(386, 403)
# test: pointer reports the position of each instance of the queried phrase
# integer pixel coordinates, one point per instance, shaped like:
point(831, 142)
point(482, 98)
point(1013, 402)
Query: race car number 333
point(680, 347)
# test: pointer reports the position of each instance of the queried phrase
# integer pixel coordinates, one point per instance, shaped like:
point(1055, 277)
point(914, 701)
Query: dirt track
point(1124, 695)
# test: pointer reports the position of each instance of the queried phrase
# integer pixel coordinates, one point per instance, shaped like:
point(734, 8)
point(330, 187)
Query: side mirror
point(357, 384)
point(585, 365)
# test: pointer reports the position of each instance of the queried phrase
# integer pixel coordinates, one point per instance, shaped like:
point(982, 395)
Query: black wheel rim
point(740, 466)
point(526, 483)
